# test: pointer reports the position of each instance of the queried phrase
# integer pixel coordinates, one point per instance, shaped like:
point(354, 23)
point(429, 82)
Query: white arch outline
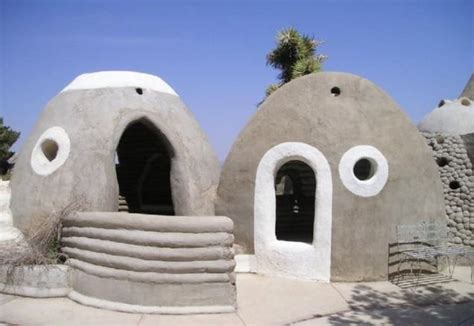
point(288, 258)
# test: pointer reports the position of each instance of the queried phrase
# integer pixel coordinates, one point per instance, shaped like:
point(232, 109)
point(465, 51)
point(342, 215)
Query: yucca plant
point(295, 55)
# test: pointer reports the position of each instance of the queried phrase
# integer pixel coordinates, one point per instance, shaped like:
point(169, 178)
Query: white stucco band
point(363, 188)
point(289, 258)
point(39, 162)
point(107, 79)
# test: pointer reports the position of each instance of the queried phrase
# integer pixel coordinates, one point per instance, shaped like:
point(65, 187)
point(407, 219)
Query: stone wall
point(468, 140)
point(456, 174)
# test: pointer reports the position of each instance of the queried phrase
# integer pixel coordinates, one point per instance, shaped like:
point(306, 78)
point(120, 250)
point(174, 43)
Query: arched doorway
point(280, 257)
point(143, 165)
point(295, 189)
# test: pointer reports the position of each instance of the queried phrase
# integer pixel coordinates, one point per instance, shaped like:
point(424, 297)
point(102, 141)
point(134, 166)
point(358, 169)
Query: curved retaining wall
point(37, 281)
point(151, 263)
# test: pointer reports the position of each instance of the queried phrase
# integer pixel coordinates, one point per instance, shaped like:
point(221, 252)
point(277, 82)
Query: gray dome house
point(112, 132)
point(128, 135)
point(320, 177)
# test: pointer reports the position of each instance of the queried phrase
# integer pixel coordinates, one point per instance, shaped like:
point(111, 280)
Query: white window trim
point(39, 163)
point(289, 258)
point(363, 188)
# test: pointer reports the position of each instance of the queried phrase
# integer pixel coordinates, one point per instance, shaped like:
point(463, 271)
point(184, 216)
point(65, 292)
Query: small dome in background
point(450, 117)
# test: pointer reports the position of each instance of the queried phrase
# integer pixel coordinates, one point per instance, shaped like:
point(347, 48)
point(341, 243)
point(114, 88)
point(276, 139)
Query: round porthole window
point(363, 170)
point(50, 151)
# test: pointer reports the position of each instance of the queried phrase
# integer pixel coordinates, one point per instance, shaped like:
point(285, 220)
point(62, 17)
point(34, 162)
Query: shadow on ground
point(437, 303)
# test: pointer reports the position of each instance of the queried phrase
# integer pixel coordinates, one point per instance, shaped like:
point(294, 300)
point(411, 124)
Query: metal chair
point(426, 242)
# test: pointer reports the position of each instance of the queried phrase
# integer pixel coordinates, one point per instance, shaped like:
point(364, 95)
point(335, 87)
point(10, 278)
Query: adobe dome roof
point(451, 117)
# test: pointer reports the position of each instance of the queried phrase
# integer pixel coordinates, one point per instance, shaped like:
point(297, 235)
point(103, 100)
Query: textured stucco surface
point(94, 120)
point(304, 110)
point(171, 270)
point(153, 294)
point(454, 165)
point(43, 281)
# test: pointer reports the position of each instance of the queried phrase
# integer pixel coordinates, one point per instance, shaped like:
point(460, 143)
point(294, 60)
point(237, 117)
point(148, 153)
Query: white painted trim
point(108, 79)
point(363, 188)
point(288, 258)
point(125, 307)
point(39, 163)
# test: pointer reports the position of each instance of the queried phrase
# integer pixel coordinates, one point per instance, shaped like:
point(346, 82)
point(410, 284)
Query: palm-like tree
point(295, 55)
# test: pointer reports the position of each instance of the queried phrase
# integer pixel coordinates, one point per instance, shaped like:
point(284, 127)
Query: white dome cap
point(451, 118)
point(106, 79)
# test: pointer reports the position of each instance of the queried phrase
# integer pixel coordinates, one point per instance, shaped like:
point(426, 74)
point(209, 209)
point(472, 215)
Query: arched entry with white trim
point(293, 258)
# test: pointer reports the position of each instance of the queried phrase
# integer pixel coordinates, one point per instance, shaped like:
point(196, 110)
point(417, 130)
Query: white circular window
point(363, 170)
point(50, 151)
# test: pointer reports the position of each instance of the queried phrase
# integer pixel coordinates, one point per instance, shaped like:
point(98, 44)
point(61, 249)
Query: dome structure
point(450, 118)
point(449, 131)
point(122, 148)
point(111, 132)
point(320, 177)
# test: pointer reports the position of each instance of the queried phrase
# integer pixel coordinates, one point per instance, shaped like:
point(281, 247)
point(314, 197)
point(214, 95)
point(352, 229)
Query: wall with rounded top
point(347, 119)
point(70, 154)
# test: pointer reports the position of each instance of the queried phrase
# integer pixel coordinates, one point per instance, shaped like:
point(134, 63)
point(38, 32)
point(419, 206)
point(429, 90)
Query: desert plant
point(295, 56)
point(41, 242)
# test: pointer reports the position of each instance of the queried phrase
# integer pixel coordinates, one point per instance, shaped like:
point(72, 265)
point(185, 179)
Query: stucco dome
point(115, 131)
point(450, 118)
point(327, 126)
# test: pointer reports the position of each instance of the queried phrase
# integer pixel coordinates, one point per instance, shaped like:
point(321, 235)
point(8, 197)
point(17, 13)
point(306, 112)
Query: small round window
point(50, 151)
point(363, 170)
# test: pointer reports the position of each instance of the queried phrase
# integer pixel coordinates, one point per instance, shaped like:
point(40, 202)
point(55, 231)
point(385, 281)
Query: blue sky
point(213, 52)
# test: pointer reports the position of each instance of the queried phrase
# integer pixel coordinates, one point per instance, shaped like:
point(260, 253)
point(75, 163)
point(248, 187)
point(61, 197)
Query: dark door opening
point(295, 187)
point(143, 166)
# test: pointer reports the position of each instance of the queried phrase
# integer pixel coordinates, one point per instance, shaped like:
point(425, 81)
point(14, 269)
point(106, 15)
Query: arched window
point(295, 188)
point(143, 169)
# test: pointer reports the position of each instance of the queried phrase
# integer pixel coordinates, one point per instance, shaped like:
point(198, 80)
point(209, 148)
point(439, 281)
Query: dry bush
point(41, 242)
